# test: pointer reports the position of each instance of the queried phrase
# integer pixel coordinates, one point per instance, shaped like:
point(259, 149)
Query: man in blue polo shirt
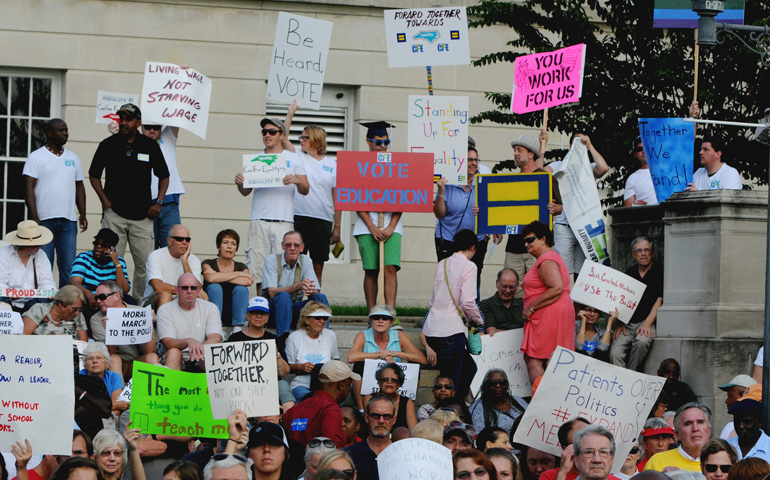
point(380, 416)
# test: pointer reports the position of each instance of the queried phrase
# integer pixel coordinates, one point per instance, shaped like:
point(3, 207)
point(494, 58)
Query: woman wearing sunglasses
point(391, 378)
point(629, 468)
point(471, 464)
point(310, 344)
point(338, 460)
point(62, 317)
point(443, 388)
point(716, 459)
point(496, 407)
point(593, 339)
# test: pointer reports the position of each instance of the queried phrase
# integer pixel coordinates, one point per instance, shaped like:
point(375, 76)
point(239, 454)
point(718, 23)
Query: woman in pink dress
point(549, 315)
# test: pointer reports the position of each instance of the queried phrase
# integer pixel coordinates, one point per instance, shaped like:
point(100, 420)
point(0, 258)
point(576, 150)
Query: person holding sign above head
point(592, 339)
point(272, 209)
point(22, 451)
point(112, 452)
point(100, 264)
point(23, 265)
point(380, 415)
point(714, 174)
point(315, 214)
point(165, 265)
point(62, 317)
point(502, 311)
point(693, 428)
point(639, 187)
point(370, 234)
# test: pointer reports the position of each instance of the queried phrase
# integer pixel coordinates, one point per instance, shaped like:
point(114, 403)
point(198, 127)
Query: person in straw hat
point(24, 266)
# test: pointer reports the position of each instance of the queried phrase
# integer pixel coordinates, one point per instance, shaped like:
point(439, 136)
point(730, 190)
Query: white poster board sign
point(439, 125)
point(37, 399)
point(415, 458)
point(28, 292)
point(125, 395)
point(128, 326)
point(411, 371)
point(242, 375)
point(11, 323)
point(576, 385)
point(606, 289)
point(265, 170)
point(419, 37)
point(176, 96)
point(108, 103)
point(298, 60)
point(503, 350)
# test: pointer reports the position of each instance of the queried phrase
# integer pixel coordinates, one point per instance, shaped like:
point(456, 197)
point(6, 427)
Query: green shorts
point(369, 249)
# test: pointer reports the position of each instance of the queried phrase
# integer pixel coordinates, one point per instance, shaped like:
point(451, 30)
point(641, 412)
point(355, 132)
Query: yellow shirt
point(672, 458)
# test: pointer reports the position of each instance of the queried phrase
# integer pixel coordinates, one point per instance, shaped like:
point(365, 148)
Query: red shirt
point(571, 475)
point(317, 416)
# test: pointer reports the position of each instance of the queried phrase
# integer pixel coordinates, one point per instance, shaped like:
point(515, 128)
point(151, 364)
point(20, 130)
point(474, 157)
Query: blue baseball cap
point(258, 304)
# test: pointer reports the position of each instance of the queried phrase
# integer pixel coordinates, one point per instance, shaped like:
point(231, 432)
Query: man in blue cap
point(750, 441)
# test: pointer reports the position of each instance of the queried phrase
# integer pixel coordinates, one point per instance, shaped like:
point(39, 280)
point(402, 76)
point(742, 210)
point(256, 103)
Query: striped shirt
point(86, 267)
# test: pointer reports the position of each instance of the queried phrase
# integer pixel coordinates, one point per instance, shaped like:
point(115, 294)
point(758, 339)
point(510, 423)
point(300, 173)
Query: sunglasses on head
point(270, 131)
point(152, 127)
point(469, 429)
point(349, 472)
point(181, 239)
point(530, 239)
point(379, 142)
point(317, 442)
point(711, 468)
point(224, 456)
point(104, 296)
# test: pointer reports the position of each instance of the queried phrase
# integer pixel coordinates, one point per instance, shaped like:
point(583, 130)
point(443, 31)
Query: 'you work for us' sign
point(547, 79)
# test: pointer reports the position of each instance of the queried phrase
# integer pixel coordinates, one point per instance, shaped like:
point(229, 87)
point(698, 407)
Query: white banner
point(37, 397)
point(175, 96)
point(439, 125)
point(606, 289)
point(415, 458)
point(411, 371)
point(11, 323)
point(108, 103)
point(503, 350)
point(125, 395)
point(298, 60)
point(28, 292)
point(576, 385)
point(266, 170)
point(581, 203)
point(242, 375)
point(128, 326)
point(419, 37)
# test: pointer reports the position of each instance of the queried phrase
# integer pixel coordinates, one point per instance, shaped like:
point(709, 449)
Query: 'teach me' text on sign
point(418, 37)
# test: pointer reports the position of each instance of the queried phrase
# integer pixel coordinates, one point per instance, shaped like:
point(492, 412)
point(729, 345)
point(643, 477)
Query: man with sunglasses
point(639, 187)
point(272, 209)
point(186, 324)
point(502, 311)
point(380, 416)
point(102, 263)
point(165, 265)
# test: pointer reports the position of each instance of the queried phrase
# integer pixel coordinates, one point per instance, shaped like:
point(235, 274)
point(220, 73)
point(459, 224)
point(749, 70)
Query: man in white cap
point(735, 389)
point(319, 415)
point(23, 266)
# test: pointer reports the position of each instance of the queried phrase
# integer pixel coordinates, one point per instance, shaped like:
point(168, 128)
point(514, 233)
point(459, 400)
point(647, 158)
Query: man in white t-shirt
point(715, 174)
point(188, 323)
point(54, 181)
point(639, 187)
point(272, 209)
point(168, 263)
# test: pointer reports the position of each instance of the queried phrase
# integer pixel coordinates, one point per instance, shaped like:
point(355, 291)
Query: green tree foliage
point(632, 71)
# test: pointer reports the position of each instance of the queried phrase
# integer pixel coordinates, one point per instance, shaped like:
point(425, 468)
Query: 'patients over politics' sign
point(543, 80)
point(419, 37)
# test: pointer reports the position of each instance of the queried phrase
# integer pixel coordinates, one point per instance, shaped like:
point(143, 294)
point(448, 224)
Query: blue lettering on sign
point(512, 229)
point(299, 424)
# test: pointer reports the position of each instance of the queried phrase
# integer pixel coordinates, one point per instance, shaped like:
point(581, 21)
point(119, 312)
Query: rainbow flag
point(679, 14)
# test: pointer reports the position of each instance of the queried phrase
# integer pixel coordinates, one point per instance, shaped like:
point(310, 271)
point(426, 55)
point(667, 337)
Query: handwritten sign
point(580, 199)
point(384, 182)
point(503, 350)
point(369, 384)
point(243, 375)
point(28, 292)
point(108, 103)
point(415, 458)
point(298, 62)
point(547, 79)
point(266, 170)
point(439, 125)
point(36, 392)
point(509, 202)
point(128, 326)
point(576, 385)
point(669, 145)
point(175, 96)
point(418, 37)
point(168, 402)
point(11, 323)
point(125, 395)
point(606, 289)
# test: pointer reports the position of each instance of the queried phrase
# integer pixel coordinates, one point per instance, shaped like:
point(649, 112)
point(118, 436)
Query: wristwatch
point(159, 202)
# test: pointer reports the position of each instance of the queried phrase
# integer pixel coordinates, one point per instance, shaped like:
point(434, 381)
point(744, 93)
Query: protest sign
point(416, 458)
point(606, 289)
point(36, 398)
point(503, 350)
point(175, 96)
point(580, 199)
point(128, 326)
point(243, 375)
point(679, 13)
point(266, 170)
point(576, 385)
point(411, 377)
point(298, 62)
point(125, 395)
point(439, 125)
point(547, 79)
point(419, 37)
point(11, 323)
point(169, 402)
point(108, 103)
point(384, 182)
point(669, 145)
point(509, 202)
point(28, 292)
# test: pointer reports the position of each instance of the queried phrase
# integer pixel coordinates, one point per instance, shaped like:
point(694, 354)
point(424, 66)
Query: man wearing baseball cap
point(458, 435)
point(735, 390)
point(319, 415)
point(102, 263)
point(750, 441)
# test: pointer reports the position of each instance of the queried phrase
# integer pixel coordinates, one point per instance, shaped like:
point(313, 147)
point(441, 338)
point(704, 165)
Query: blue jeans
point(239, 299)
point(65, 236)
point(169, 216)
point(300, 393)
point(454, 361)
point(285, 312)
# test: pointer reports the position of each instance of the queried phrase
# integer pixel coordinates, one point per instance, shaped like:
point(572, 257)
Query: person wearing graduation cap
point(369, 234)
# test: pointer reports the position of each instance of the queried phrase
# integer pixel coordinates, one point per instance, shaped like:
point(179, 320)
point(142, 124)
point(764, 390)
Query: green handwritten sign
point(168, 402)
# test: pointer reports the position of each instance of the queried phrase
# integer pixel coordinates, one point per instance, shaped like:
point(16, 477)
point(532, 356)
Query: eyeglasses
point(304, 138)
point(180, 239)
point(270, 131)
point(509, 287)
point(634, 451)
point(465, 474)
point(381, 317)
point(529, 240)
point(317, 442)
point(378, 142)
point(105, 246)
point(75, 309)
point(152, 127)
point(638, 149)
point(292, 245)
point(224, 456)
point(498, 383)
point(443, 386)
point(390, 380)
point(349, 472)
point(642, 250)
point(591, 311)
point(469, 429)
point(188, 287)
point(111, 453)
point(104, 296)
point(590, 452)
point(385, 416)
point(711, 468)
